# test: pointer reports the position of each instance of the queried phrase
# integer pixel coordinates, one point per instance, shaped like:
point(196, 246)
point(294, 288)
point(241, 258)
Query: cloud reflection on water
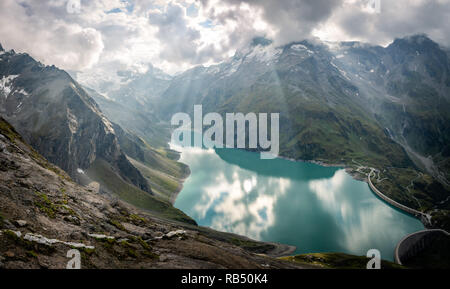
point(365, 220)
point(234, 199)
point(322, 210)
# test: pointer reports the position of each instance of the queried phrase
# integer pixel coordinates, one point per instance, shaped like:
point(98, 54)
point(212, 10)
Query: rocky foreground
point(44, 214)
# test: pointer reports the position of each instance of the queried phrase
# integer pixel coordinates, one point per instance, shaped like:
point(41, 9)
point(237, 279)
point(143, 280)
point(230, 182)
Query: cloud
point(288, 20)
point(31, 27)
point(112, 35)
point(353, 21)
point(177, 38)
point(335, 20)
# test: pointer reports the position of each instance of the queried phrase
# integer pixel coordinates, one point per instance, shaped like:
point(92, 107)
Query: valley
point(43, 214)
point(349, 103)
point(351, 107)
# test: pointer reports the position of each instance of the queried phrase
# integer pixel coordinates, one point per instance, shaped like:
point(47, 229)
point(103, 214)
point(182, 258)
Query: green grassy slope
point(112, 183)
point(159, 166)
point(310, 130)
point(161, 183)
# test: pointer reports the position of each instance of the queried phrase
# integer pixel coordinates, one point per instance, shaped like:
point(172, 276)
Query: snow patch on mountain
point(108, 125)
point(73, 123)
point(6, 85)
point(263, 54)
point(232, 68)
point(299, 47)
point(21, 91)
point(342, 72)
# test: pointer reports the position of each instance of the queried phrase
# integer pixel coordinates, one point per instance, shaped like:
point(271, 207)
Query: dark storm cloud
point(297, 19)
point(292, 19)
point(397, 19)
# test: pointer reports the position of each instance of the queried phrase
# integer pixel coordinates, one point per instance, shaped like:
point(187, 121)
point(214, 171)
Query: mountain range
point(44, 214)
point(63, 122)
point(344, 103)
point(350, 103)
point(354, 104)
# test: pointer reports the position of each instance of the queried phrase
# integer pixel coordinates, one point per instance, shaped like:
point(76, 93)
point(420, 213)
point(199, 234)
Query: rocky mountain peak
point(415, 44)
point(60, 120)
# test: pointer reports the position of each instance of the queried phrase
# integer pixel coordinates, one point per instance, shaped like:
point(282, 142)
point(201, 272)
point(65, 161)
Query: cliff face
point(43, 215)
point(59, 119)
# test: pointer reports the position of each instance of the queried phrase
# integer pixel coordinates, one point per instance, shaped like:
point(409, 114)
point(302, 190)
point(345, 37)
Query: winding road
point(392, 202)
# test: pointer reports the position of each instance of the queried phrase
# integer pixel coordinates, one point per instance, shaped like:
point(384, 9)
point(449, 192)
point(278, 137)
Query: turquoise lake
point(315, 208)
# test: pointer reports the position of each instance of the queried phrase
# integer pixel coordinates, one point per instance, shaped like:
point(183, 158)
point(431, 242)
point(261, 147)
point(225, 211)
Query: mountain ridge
point(354, 103)
point(44, 214)
point(59, 118)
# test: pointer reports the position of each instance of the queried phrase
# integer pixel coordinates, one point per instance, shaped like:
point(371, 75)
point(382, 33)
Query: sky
point(100, 38)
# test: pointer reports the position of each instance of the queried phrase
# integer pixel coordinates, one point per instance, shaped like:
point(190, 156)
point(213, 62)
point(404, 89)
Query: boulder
point(21, 223)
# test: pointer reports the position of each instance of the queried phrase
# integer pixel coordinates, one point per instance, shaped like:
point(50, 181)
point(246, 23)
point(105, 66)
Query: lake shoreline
point(359, 177)
point(181, 181)
point(284, 248)
point(356, 175)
